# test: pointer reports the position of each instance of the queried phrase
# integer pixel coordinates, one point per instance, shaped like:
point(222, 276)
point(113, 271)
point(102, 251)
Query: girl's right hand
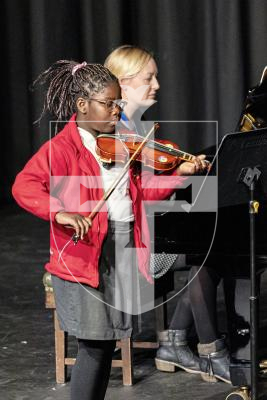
point(78, 222)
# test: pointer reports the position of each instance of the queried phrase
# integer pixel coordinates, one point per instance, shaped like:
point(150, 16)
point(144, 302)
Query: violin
point(128, 148)
point(161, 155)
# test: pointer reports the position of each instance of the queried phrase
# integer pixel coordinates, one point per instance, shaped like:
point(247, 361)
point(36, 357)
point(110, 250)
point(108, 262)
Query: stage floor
point(27, 368)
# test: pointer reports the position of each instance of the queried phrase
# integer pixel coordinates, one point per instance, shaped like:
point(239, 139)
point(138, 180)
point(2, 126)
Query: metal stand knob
point(241, 393)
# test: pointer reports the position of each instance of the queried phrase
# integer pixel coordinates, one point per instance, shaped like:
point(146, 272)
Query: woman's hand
point(189, 168)
point(78, 222)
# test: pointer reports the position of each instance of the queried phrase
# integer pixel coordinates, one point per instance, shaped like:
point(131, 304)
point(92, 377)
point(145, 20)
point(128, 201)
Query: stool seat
point(126, 345)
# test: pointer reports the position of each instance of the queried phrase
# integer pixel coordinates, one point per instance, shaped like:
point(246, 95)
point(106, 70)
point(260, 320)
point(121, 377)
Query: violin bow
point(113, 186)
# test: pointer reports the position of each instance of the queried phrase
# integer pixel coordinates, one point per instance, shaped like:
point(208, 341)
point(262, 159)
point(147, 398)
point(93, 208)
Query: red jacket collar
point(71, 129)
point(85, 159)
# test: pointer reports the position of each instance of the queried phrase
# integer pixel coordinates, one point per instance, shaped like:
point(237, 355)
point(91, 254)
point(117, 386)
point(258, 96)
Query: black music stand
point(241, 164)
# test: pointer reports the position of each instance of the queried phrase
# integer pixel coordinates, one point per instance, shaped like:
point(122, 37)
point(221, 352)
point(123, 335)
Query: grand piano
point(227, 247)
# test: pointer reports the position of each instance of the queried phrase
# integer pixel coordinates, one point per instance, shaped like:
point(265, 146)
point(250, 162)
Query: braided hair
point(68, 80)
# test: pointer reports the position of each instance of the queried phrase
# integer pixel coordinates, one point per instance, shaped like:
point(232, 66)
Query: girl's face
point(147, 78)
point(100, 113)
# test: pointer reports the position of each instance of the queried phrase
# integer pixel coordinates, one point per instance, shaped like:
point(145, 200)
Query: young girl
point(62, 183)
point(135, 68)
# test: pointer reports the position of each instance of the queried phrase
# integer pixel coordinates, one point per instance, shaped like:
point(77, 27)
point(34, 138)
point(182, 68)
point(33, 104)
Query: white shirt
point(119, 204)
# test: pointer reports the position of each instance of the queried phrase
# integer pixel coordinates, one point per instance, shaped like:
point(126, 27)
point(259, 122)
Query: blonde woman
point(137, 71)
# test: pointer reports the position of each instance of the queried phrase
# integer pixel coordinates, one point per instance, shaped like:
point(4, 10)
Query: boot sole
point(214, 378)
point(169, 366)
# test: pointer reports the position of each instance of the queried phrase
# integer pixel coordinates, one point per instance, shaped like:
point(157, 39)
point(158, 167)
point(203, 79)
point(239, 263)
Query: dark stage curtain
point(209, 52)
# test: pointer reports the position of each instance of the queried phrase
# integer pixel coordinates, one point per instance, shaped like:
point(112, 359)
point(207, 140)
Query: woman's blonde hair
point(127, 61)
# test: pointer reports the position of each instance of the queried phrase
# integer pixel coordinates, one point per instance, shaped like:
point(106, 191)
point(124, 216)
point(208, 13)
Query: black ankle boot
point(214, 361)
point(174, 352)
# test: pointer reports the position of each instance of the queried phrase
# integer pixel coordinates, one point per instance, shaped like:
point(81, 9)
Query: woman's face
point(147, 78)
point(99, 113)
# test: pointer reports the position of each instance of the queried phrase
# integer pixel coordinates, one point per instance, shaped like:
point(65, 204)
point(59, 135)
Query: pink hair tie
point(78, 66)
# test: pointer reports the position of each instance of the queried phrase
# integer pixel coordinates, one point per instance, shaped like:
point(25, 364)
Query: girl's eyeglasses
point(111, 104)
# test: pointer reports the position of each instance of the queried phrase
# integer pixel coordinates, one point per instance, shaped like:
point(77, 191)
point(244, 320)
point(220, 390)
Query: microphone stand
point(249, 176)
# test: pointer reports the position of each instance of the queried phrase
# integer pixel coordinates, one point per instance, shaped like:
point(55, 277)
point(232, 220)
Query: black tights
point(197, 305)
point(90, 374)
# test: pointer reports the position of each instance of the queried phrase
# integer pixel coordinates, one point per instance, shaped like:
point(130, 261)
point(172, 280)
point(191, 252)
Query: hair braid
point(67, 80)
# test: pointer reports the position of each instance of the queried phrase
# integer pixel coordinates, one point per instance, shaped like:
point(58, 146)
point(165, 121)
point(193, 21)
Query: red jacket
point(66, 156)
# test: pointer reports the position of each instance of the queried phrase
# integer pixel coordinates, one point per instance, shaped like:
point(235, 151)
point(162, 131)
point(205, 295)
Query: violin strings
point(156, 145)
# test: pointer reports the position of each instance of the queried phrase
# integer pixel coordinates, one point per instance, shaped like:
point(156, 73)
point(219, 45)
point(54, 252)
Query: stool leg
point(60, 351)
point(127, 364)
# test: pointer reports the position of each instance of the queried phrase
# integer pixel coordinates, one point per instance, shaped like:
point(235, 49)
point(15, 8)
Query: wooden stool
point(126, 345)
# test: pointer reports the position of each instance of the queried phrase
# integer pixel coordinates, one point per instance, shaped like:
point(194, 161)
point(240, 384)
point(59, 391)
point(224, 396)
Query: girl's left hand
point(189, 168)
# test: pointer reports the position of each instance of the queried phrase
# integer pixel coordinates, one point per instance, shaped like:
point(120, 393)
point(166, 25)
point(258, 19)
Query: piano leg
point(237, 293)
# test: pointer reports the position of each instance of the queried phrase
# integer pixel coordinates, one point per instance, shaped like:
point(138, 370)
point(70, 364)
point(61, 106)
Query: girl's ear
point(82, 105)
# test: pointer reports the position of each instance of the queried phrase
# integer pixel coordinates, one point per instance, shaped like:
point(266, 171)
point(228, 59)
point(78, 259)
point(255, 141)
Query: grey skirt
point(103, 313)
